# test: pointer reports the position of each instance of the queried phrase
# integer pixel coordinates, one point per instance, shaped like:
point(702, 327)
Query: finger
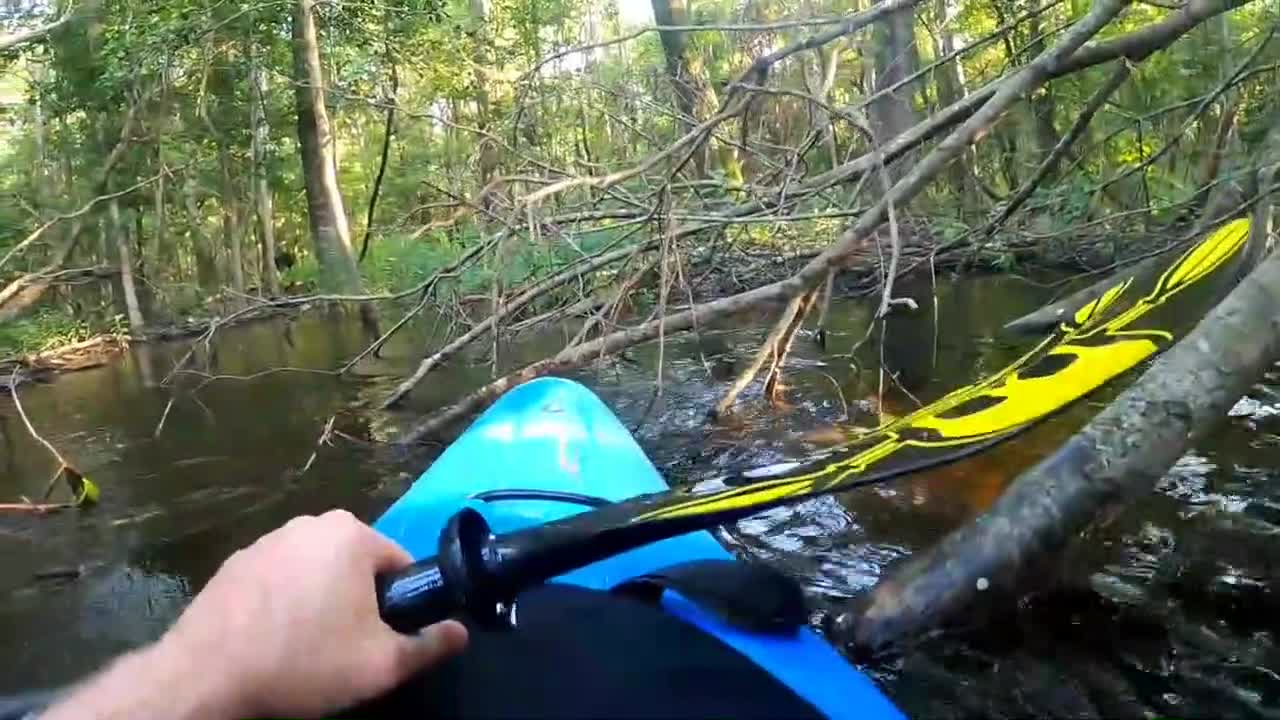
point(432, 645)
point(383, 554)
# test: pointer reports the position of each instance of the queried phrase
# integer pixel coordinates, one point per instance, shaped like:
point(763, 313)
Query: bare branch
point(732, 27)
point(35, 234)
point(38, 33)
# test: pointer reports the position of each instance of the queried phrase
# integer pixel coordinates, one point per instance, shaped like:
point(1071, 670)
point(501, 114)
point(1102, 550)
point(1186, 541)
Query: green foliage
point(43, 330)
point(398, 261)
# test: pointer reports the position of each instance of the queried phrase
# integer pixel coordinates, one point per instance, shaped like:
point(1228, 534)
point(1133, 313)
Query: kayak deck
point(550, 434)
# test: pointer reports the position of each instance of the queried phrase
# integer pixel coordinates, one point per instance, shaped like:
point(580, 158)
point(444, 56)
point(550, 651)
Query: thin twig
point(321, 441)
point(62, 462)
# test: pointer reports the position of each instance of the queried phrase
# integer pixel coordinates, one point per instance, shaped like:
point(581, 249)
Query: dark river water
point(1171, 610)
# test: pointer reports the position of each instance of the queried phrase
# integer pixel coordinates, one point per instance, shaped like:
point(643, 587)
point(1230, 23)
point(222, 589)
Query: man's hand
point(287, 627)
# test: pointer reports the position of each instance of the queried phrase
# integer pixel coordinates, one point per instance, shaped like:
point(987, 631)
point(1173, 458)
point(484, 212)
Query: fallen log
point(94, 352)
point(1121, 454)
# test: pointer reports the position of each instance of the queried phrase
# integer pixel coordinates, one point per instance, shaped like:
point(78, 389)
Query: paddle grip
point(458, 579)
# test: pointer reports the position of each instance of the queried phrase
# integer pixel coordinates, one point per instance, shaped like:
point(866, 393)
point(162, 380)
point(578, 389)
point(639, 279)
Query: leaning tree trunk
point(23, 292)
point(9, 41)
point(325, 210)
point(1121, 454)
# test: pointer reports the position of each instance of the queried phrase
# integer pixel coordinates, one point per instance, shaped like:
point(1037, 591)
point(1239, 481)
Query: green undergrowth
point(45, 329)
point(397, 262)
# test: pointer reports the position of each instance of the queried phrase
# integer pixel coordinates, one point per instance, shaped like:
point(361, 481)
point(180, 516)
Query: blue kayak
point(555, 435)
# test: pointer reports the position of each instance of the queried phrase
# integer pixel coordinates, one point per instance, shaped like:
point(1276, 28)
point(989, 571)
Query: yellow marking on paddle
point(959, 395)
point(1209, 254)
point(768, 490)
point(1101, 303)
point(1025, 399)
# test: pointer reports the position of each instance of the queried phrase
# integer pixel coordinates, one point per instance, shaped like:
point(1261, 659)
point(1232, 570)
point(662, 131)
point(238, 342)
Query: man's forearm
point(154, 682)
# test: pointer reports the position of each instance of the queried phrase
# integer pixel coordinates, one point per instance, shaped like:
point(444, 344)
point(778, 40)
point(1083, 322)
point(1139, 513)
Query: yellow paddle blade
point(1097, 344)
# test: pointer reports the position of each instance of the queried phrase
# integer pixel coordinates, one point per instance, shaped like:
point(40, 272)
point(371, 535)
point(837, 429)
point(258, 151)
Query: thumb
point(431, 646)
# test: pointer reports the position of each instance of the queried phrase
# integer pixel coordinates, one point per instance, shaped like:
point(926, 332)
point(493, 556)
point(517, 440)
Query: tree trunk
point(949, 78)
point(695, 98)
point(231, 235)
point(129, 292)
point(40, 177)
point(151, 258)
point(1212, 162)
point(325, 210)
point(482, 63)
point(895, 58)
point(676, 12)
point(388, 131)
point(262, 200)
point(1043, 106)
point(827, 65)
point(207, 276)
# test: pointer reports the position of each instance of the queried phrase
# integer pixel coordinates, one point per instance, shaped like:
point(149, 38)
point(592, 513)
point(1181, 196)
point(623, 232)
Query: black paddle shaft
point(474, 571)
